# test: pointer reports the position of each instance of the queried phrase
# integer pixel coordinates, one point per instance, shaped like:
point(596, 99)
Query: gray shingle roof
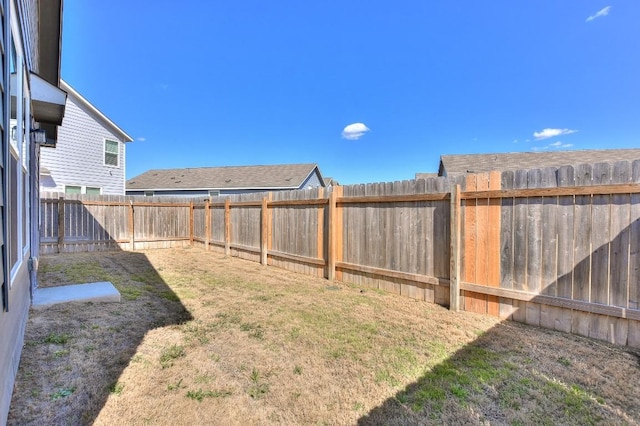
point(451, 165)
point(232, 177)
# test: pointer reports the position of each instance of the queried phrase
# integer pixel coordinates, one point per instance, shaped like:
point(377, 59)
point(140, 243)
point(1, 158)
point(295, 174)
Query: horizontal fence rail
point(557, 248)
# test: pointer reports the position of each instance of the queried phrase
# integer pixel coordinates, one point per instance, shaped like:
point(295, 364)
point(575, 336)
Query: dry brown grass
point(203, 339)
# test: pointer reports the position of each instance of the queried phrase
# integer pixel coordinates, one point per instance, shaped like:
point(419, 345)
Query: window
point(111, 153)
point(70, 189)
point(148, 193)
point(77, 189)
point(214, 193)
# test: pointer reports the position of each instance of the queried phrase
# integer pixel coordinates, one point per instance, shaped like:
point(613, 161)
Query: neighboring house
point(31, 103)
point(89, 157)
point(214, 181)
point(329, 181)
point(454, 165)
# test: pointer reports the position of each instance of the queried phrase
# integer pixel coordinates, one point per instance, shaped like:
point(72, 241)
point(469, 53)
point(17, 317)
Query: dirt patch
point(201, 339)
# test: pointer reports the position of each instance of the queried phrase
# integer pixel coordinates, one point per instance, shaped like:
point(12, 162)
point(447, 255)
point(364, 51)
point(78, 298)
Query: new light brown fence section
point(568, 249)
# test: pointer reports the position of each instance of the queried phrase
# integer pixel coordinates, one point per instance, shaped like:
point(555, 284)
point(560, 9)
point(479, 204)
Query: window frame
point(18, 150)
point(105, 152)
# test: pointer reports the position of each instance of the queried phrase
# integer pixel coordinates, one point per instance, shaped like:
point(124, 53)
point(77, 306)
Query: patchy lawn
point(203, 339)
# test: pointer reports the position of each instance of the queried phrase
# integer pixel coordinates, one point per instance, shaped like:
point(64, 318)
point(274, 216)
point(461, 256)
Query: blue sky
point(236, 82)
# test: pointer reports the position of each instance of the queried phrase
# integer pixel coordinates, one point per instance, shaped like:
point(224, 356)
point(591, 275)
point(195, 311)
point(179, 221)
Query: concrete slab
point(93, 292)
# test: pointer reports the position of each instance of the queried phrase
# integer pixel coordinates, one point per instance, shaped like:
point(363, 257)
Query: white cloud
point(558, 143)
point(354, 131)
point(141, 139)
point(602, 12)
point(551, 133)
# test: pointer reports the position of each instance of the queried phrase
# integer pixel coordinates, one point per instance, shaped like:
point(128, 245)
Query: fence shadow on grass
point(495, 379)
point(76, 352)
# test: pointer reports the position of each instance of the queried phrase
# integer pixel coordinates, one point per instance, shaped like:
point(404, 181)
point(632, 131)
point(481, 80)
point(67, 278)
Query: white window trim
point(26, 165)
point(16, 147)
point(104, 153)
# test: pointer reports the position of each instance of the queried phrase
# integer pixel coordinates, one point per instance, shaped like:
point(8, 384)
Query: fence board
point(565, 226)
point(582, 236)
point(506, 243)
point(473, 302)
point(634, 243)
point(549, 223)
point(619, 237)
point(600, 238)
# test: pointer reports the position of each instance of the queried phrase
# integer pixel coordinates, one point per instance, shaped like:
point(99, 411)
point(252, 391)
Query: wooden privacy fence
point(558, 248)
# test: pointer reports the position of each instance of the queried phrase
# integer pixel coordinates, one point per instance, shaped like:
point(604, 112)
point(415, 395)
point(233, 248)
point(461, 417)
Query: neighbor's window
point(71, 189)
point(111, 152)
point(92, 191)
point(213, 193)
point(148, 193)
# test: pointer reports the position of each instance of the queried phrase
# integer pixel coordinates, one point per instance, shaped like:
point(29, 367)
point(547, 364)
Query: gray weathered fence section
point(558, 248)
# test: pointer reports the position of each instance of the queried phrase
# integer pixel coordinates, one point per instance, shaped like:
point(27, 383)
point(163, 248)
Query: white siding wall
point(78, 158)
point(312, 181)
point(30, 10)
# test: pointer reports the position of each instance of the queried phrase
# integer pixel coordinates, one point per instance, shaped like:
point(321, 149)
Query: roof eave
point(239, 188)
point(96, 112)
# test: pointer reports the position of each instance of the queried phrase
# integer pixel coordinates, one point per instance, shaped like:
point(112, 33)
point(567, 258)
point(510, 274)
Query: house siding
point(78, 158)
point(313, 180)
point(12, 328)
point(16, 283)
point(29, 11)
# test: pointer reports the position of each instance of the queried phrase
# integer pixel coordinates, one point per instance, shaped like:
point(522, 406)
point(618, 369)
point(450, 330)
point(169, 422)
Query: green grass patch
point(175, 386)
point(130, 292)
point(169, 295)
point(258, 387)
point(62, 393)
point(199, 395)
point(254, 330)
point(60, 353)
point(170, 354)
point(116, 388)
point(57, 338)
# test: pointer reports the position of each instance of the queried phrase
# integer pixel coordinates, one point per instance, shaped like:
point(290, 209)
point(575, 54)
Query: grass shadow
point(87, 346)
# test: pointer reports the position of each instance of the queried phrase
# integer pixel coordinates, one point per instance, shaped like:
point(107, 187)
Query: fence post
point(454, 271)
point(60, 223)
point(207, 223)
point(270, 225)
point(264, 216)
point(191, 223)
point(227, 227)
point(132, 231)
point(331, 232)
